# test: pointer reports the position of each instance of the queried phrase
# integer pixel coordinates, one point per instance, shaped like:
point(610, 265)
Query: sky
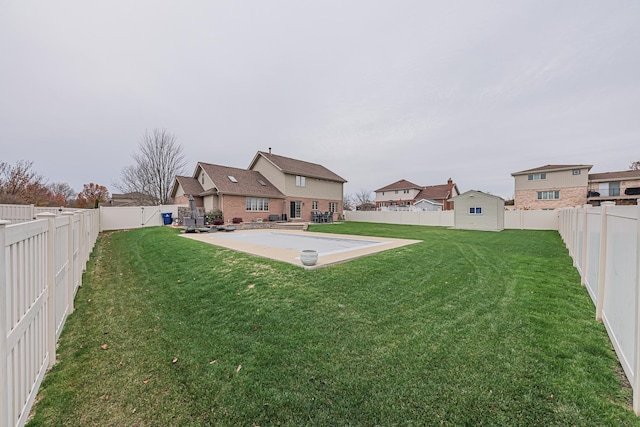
point(376, 91)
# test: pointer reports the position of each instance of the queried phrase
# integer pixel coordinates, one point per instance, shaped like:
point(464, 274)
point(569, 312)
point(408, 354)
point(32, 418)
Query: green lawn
point(466, 328)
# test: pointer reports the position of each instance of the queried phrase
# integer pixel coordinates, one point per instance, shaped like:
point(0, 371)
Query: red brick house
point(406, 194)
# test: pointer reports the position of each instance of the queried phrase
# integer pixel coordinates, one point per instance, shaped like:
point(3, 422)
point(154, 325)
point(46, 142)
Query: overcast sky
point(376, 91)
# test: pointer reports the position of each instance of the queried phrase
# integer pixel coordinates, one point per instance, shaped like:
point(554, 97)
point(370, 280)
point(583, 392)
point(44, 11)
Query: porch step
point(290, 226)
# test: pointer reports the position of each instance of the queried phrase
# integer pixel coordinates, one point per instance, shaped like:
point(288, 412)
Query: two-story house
point(551, 186)
point(403, 193)
point(272, 185)
point(558, 186)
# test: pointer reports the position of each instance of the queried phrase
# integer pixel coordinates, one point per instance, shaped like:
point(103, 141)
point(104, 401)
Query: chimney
point(449, 194)
point(269, 150)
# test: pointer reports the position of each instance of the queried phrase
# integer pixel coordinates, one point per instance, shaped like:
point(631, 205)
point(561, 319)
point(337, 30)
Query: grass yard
point(466, 328)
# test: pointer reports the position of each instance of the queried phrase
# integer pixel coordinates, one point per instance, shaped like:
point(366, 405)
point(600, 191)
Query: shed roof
point(475, 192)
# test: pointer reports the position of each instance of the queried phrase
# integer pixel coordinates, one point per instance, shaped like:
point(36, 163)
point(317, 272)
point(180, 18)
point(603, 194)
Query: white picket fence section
point(24, 213)
point(604, 243)
point(520, 220)
point(40, 272)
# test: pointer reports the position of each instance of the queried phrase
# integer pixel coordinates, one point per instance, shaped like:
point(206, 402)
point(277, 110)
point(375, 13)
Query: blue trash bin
point(166, 217)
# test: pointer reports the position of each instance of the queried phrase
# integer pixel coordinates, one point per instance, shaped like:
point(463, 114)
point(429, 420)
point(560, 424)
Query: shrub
point(218, 221)
point(211, 217)
point(236, 220)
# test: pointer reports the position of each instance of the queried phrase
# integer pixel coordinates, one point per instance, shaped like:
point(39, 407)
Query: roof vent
point(232, 178)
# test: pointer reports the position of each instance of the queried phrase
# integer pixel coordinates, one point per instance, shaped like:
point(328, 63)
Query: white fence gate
point(604, 243)
point(40, 271)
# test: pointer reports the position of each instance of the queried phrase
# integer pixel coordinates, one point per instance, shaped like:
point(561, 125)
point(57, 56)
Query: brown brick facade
point(569, 197)
point(236, 207)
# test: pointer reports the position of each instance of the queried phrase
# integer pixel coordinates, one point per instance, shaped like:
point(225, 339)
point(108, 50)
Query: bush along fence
point(604, 243)
point(40, 271)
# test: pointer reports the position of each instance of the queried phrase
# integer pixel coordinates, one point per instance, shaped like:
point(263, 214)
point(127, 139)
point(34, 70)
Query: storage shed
point(475, 210)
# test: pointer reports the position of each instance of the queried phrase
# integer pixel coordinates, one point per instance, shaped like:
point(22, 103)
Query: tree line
point(158, 160)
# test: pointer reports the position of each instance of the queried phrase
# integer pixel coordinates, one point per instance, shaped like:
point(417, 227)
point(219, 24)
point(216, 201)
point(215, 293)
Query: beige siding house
point(308, 187)
point(551, 186)
point(272, 186)
point(475, 210)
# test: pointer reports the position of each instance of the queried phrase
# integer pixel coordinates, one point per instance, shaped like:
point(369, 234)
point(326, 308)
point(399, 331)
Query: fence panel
point(620, 306)
point(41, 267)
point(17, 213)
point(24, 295)
point(129, 217)
point(592, 272)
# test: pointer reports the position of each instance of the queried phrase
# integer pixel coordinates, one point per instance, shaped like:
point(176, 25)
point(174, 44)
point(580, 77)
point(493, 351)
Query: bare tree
point(362, 197)
point(62, 193)
point(347, 203)
point(635, 166)
point(159, 160)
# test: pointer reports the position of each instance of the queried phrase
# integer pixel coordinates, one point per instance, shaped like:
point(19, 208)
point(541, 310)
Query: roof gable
point(297, 167)
point(471, 193)
point(435, 192)
point(402, 184)
point(189, 185)
point(228, 180)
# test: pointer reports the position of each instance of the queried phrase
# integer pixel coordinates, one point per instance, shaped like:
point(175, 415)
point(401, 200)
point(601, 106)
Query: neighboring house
point(622, 187)
point(272, 185)
point(558, 186)
point(551, 186)
point(407, 194)
point(131, 199)
point(475, 210)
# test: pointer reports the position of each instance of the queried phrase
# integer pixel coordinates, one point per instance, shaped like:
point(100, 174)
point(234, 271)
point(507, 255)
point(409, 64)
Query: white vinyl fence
point(128, 217)
point(40, 271)
point(24, 213)
point(604, 243)
point(521, 219)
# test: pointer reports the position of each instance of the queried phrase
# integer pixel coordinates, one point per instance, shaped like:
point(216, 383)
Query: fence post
point(636, 377)
point(71, 265)
point(82, 242)
point(50, 285)
point(4, 331)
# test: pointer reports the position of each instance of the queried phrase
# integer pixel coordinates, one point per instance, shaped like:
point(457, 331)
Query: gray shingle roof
point(247, 181)
point(607, 176)
point(298, 167)
point(189, 185)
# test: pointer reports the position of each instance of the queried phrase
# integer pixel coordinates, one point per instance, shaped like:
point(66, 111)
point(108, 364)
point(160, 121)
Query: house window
point(405, 191)
point(548, 195)
point(333, 207)
point(314, 205)
point(396, 191)
point(300, 181)
point(383, 193)
point(475, 211)
point(576, 171)
point(537, 176)
point(614, 188)
point(257, 204)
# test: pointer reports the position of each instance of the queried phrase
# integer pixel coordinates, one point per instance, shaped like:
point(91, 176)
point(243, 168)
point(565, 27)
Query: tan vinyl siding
point(318, 188)
point(491, 219)
point(554, 180)
point(272, 173)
